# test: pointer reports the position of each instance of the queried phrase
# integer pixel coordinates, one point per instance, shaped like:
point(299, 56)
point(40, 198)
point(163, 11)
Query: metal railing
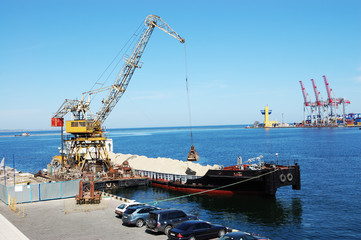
point(165, 176)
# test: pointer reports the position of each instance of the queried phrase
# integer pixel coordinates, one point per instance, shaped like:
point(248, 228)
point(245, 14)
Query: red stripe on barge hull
point(198, 190)
point(194, 190)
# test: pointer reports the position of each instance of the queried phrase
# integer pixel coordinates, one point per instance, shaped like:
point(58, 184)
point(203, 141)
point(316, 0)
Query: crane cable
point(102, 79)
point(188, 98)
point(123, 50)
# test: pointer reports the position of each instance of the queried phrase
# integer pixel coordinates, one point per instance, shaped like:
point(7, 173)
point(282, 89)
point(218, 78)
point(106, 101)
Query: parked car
point(136, 215)
point(164, 220)
point(119, 211)
point(196, 229)
point(241, 236)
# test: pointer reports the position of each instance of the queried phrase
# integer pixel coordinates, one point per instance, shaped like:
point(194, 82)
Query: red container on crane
point(57, 122)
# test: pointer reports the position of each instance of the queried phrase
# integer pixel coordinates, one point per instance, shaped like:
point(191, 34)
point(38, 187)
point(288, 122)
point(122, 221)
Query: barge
point(257, 179)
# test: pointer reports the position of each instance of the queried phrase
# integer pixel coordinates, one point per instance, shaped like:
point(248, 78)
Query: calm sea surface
point(327, 206)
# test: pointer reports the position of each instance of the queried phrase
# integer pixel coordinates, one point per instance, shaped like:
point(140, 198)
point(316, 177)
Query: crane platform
point(110, 184)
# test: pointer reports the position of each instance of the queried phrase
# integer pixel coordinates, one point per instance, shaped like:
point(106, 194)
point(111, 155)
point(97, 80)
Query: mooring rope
point(205, 191)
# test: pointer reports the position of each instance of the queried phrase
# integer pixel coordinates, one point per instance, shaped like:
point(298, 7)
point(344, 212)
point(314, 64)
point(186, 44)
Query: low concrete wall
point(40, 191)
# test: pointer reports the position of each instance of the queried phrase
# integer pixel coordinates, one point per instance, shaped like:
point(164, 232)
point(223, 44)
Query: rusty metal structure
point(87, 195)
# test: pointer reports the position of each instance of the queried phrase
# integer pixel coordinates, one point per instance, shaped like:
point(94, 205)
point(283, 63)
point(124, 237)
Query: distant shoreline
point(44, 134)
point(56, 131)
point(134, 128)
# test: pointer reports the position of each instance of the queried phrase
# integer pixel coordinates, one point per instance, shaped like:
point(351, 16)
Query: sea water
point(326, 207)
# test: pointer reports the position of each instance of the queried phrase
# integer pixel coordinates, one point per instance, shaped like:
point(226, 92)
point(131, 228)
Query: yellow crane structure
point(86, 148)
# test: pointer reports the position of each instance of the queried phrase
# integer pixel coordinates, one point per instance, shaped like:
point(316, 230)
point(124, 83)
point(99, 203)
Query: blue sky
point(242, 56)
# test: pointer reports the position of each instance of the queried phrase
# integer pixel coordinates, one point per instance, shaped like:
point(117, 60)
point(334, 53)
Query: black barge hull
point(228, 182)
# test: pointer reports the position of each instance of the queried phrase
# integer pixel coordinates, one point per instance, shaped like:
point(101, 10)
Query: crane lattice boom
point(80, 108)
point(122, 81)
point(305, 95)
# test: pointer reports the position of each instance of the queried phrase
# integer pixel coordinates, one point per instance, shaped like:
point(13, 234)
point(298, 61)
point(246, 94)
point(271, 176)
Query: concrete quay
point(63, 219)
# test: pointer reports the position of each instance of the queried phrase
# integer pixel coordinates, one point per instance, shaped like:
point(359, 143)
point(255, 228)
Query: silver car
point(119, 211)
point(137, 215)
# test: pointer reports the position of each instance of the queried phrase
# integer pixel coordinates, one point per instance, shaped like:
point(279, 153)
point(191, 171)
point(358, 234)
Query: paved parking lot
point(62, 219)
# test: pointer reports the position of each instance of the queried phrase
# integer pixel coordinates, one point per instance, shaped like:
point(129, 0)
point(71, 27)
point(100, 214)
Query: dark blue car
point(196, 229)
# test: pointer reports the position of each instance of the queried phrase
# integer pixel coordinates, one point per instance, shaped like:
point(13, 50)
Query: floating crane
point(87, 147)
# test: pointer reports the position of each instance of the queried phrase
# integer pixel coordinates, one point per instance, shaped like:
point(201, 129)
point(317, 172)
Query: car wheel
point(166, 229)
point(221, 233)
point(192, 238)
point(139, 223)
point(152, 223)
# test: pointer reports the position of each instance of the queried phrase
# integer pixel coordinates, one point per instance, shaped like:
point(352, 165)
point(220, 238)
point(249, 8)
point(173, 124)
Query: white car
point(119, 211)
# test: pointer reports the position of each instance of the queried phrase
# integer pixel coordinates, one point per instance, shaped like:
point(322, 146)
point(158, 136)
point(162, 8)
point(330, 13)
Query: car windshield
point(229, 238)
point(203, 225)
point(152, 215)
point(237, 237)
point(130, 210)
point(121, 206)
point(185, 226)
point(136, 204)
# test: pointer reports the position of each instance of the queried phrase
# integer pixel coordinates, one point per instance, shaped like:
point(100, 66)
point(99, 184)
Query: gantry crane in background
point(87, 148)
point(324, 113)
point(320, 117)
point(334, 104)
point(331, 102)
point(308, 106)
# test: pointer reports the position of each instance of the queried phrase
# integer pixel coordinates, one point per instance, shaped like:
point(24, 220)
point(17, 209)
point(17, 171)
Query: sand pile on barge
point(163, 165)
